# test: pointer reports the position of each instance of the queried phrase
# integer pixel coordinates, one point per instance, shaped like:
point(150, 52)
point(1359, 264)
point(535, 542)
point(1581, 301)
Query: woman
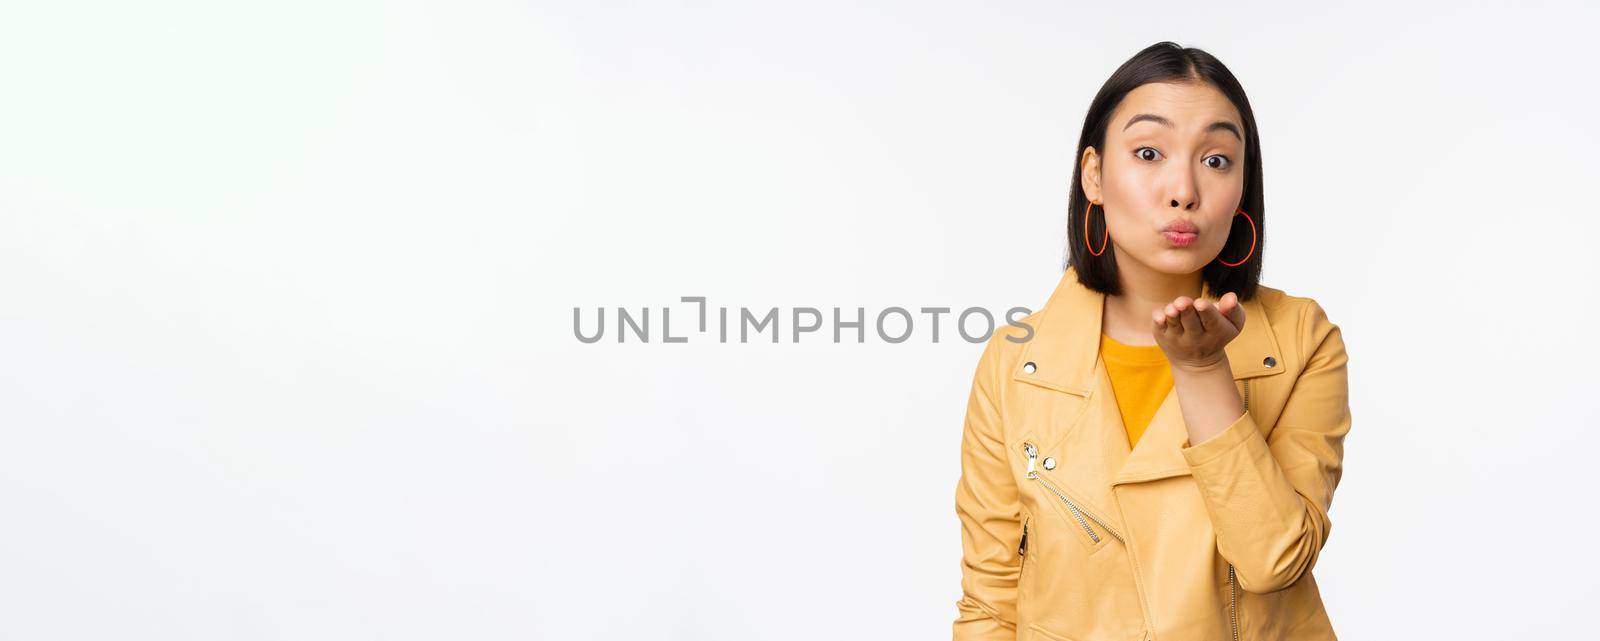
point(1153, 460)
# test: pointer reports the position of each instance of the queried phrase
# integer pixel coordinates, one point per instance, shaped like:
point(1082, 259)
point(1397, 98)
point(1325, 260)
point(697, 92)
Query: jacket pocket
point(1023, 552)
point(1090, 531)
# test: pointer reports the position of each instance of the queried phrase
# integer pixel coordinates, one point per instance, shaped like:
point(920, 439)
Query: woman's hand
point(1193, 332)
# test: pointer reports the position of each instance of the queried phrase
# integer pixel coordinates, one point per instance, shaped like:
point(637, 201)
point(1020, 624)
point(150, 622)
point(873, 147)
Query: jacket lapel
point(1065, 353)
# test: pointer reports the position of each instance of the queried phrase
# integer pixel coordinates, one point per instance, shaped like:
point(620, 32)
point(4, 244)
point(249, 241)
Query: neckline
point(1112, 349)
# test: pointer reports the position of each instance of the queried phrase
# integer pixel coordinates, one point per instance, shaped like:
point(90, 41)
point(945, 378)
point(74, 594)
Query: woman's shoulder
point(1277, 301)
point(1299, 315)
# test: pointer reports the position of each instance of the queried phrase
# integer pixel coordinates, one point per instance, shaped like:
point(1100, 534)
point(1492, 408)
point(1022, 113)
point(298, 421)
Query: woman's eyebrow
point(1218, 125)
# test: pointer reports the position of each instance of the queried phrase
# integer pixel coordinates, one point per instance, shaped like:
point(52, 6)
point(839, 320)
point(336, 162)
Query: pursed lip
point(1181, 226)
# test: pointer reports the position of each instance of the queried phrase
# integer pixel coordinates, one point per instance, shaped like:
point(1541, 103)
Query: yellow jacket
point(1068, 536)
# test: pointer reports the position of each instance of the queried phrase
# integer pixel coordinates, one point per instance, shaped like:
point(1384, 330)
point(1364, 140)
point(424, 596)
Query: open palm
point(1193, 332)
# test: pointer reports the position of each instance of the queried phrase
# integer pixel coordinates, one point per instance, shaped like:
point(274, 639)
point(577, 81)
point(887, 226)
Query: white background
point(286, 293)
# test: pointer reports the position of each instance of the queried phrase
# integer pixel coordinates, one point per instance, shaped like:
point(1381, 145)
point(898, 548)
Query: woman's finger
point(1158, 325)
point(1190, 318)
point(1226, 302)
point(1233, 310)
point(1173, 320)
point(1210, 316)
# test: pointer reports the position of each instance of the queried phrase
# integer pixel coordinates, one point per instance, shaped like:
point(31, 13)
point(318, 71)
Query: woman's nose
point(1184, 195)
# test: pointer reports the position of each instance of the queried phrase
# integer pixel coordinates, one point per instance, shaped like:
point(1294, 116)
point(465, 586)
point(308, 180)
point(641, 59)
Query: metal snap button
point(1049, 462)
point(1269, 361)
point(1029, 367)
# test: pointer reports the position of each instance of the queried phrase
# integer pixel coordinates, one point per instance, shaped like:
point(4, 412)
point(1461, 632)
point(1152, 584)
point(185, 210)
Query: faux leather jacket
point(1067, 535)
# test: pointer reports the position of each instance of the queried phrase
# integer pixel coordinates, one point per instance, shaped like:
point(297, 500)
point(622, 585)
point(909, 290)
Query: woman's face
point(1170, 176)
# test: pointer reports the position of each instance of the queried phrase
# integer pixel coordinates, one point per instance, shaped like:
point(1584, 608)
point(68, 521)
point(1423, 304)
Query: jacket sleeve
point(1268, 498)
point(989, 509)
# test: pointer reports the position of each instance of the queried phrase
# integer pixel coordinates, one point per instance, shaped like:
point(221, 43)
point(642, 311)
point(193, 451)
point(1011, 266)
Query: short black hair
point(1169, 62)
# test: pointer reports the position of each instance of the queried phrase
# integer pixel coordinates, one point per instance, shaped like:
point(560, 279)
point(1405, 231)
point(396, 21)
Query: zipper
point(1032, 453)
point(1246, 394)
point(1233, 606)
point(1233, 612)
point(1022, 549)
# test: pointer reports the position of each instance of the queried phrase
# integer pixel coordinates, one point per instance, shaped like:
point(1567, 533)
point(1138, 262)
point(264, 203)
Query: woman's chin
point(1175, 261)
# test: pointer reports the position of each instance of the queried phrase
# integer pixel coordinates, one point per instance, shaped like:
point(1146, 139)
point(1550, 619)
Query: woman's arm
point(1268, 498)
point(989, 507)
point(1194, 334)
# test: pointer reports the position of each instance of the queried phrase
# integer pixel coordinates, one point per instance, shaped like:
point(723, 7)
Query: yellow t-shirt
point(1140, 378)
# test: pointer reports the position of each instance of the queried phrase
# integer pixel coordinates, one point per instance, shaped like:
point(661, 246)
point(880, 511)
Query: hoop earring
point(1104, 241)
point(1253, 239)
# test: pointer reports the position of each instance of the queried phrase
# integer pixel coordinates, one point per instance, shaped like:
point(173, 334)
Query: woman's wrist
point(1208, 397)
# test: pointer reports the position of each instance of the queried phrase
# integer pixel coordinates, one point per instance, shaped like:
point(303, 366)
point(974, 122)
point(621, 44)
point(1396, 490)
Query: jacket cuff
point(1219, 445)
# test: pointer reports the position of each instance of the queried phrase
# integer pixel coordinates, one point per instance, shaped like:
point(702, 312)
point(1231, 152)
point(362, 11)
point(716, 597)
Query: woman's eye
point(1215, 161)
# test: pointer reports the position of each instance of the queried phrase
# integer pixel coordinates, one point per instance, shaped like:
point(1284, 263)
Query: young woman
point(1157, 460)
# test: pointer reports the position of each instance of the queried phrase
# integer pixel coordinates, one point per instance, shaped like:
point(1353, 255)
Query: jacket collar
point(1065, 356)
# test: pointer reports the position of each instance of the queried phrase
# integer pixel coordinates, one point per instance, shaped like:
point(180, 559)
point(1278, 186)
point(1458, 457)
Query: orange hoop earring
point(1103, 241)
point(1253, 238)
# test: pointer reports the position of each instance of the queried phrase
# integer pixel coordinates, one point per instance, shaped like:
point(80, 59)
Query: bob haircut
point(1169, 62)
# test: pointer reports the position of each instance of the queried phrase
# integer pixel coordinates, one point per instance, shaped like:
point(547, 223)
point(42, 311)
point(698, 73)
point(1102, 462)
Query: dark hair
point(1169, 62)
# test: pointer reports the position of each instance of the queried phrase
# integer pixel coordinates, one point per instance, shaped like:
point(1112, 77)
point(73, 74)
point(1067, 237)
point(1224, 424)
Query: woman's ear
point(1089, 169)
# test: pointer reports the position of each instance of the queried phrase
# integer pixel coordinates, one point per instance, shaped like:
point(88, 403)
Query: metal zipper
point(1022, 548)
point(1033, 454)
point(1233, 613)
point(1246, 395)
point(1233, 608)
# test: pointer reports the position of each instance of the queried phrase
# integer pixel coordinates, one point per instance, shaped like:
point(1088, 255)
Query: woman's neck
point(1127, 318)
